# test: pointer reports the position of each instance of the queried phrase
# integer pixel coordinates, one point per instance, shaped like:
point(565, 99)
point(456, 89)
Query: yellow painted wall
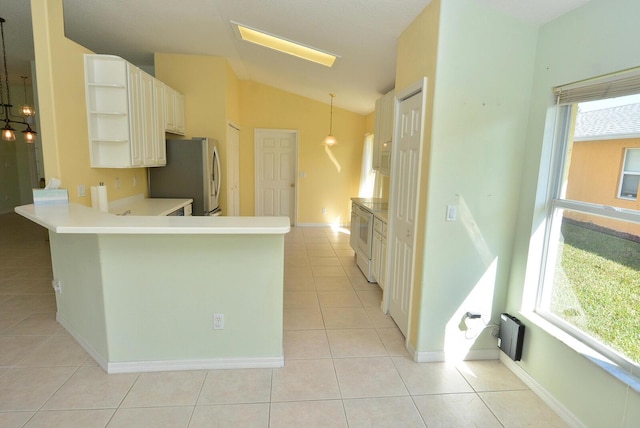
point(370, 123)
point(62, 110)
point(203, 82)
point(602, 188)
point(417, 55)
point(323, 185)
point(233, 96)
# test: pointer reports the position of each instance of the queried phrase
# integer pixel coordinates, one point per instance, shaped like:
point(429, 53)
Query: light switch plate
point(452, 212)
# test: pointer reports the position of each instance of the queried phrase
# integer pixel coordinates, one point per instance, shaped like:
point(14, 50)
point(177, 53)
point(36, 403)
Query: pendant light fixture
point(330, 140)
point(8, 132)
point(26, 110)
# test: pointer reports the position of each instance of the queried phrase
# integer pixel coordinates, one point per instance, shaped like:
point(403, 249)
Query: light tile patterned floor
point(345, 362)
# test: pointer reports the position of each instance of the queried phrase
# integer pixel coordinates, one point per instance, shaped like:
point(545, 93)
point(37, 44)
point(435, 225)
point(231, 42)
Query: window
point(590, 280)
point(630, 180)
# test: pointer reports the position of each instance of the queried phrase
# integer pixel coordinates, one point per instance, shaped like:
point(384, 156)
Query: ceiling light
point(283, 45)
point(8, 133)
point(330, 140)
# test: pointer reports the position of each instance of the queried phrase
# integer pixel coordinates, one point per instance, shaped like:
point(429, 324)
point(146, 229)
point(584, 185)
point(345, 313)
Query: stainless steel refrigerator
point(192, 171)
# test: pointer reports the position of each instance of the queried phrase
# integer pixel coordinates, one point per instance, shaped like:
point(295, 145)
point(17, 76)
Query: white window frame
point(555, 204)
point(625, 173)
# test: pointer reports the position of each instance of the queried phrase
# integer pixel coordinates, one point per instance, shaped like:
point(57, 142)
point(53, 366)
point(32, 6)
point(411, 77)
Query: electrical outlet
point(117, 183)
point(218, 321)
point(135, 181)
point(324, 210)
point(57, 285)
point(82, 190)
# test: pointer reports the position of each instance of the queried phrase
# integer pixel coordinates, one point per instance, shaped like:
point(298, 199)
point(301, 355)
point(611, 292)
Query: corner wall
point(598, 38)
point(481, 108)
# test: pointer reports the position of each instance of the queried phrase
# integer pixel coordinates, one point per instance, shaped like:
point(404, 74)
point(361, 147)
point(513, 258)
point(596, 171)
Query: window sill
point(630, 379)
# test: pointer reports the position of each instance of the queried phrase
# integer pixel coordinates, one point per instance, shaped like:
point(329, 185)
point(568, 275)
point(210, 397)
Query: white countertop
point(151, 207)
point(76, 218)
point(139, 205)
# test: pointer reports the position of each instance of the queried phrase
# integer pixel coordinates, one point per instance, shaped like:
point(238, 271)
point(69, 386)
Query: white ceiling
point(362, 32)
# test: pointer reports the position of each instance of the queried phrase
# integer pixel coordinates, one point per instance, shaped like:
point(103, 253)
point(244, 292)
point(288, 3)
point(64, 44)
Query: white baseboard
point(542, 393)
point(440, 356)
point(83, 343)
point(319, 225)
point(204, 364)
point(171, 365)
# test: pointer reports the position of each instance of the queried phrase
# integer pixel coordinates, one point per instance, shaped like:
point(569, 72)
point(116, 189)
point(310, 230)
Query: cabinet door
point(376, 256)
point(159, 124)
point(355, 227)
point(148, 129)
point(179, 113)
point(377, 135)
point(135, 116)
point(387, 125)
point(170, 109)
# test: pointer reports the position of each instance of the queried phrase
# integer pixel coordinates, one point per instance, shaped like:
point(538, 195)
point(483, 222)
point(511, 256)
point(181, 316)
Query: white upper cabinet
point(383, 133)
point(174, 111)
point(126, 114)
point(160, 120)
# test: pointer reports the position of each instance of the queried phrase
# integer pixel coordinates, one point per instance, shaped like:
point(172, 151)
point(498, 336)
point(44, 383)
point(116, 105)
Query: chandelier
point(8, 132)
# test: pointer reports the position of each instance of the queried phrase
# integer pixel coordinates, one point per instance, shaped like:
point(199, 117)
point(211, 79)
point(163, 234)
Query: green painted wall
point(151, 298)
point(161, 292)
point(600, 37)
point(481, 96)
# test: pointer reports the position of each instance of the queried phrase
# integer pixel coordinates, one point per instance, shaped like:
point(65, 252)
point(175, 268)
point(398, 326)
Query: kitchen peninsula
point(139, 293)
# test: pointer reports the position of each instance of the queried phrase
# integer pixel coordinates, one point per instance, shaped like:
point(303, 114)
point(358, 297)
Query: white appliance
point(361, 239)
point(192, 171)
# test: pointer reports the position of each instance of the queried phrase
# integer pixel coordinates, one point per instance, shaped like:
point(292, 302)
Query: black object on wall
point(511, 336)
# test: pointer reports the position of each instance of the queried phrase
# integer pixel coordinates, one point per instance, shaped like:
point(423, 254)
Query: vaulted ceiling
point(362, 32)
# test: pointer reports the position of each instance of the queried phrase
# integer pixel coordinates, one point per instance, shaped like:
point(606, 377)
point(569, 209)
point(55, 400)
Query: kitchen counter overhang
point(76, 218)
point(139, 293)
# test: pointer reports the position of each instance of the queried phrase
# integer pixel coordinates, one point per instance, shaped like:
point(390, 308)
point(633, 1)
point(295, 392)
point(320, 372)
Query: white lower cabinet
point(379, 256)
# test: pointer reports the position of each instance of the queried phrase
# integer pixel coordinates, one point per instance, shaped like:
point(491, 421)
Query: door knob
point(292, 185)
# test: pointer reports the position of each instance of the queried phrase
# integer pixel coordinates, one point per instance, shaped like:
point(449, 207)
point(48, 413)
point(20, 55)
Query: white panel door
point(275, 172)
point(233, 170)
point(404, 197)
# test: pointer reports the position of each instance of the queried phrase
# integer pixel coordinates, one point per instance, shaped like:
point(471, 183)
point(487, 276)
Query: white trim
point(441, 356)
point(83, 343)
point(417, 87)
point(542, 393)
point(321, 225)
point(203, 364)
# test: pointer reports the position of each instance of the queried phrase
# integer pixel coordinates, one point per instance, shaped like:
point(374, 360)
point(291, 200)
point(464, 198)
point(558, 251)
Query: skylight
point(283, 45)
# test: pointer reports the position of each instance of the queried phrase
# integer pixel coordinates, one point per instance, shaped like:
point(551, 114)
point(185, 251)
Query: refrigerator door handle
point(216, 167)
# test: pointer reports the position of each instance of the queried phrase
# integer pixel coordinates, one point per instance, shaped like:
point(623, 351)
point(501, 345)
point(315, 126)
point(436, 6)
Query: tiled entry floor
point(345, 363)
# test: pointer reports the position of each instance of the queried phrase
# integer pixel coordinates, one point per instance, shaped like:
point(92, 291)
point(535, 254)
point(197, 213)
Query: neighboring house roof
point(609, 123)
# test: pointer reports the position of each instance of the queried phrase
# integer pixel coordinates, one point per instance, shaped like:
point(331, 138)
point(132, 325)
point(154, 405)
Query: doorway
point(405, 171)
point(276, 157)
